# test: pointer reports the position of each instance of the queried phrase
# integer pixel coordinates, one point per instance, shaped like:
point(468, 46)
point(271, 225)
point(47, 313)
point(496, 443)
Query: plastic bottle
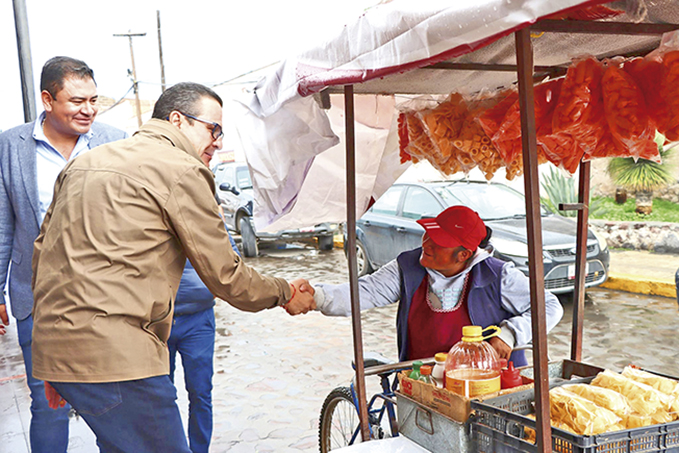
point(438, 373)
point(425, 374)
point(473, 366)
point(510, 377)
point(415, 374)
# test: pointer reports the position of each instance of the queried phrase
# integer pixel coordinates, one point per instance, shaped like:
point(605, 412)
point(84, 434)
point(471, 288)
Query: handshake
point(302, 300)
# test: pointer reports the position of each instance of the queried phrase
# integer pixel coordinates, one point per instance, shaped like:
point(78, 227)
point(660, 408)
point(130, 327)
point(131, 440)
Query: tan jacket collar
point(171, 133)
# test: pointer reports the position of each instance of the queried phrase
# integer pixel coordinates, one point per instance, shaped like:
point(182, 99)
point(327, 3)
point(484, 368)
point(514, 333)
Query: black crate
point(498, 425)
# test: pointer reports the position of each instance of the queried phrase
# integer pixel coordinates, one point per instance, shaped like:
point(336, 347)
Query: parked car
point(389, 227)
point(234, 189)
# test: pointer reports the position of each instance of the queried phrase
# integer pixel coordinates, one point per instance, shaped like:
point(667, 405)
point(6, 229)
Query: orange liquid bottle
point(472, 365)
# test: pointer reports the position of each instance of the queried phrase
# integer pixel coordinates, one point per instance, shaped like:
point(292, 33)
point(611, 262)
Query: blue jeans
point(49, 427)
point(193, 336)
point(131, 416)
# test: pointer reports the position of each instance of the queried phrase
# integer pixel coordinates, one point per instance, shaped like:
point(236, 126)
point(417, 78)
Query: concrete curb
point(641, 285)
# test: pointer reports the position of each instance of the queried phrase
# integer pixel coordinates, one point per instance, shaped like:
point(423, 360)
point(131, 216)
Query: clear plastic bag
point(581, 415)
point(625, 109)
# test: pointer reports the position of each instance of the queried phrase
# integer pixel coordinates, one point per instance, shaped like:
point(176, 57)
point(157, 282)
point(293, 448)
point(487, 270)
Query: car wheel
point(236, 224)
point(248, 238)
point(326, 242)
point(363, 263)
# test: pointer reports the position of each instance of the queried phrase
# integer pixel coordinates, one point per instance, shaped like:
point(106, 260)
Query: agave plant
point(560, 189)
point(642, 176)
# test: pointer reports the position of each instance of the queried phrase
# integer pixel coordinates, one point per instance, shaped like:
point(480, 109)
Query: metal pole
point(524, 61)
point(25, 60)
point(160, 53)
point(353, 268)
point(580, 262)
point(134, 73)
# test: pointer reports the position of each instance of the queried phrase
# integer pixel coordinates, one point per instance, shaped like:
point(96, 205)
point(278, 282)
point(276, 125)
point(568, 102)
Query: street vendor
point(450, 282)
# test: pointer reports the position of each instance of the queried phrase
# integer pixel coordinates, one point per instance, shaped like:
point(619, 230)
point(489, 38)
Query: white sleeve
point(516, 300)
point(375, 290)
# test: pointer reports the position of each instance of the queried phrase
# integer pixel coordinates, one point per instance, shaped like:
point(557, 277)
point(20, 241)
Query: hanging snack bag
point(625, 109)
point(403, 140)
point(507, 139)
point(473, 140)
point(668, 90)
point(444, 123)
point(579, 110)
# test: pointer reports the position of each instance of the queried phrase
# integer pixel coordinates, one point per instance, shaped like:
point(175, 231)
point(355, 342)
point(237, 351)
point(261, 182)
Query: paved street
point(273, 371)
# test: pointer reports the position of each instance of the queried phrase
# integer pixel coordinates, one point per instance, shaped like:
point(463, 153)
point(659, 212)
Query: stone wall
point(660, 237)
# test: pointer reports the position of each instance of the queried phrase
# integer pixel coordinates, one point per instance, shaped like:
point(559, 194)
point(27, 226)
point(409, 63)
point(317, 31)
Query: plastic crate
point(499, 425)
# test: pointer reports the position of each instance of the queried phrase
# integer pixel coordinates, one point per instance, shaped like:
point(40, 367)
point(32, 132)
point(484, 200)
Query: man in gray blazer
point(31, 158)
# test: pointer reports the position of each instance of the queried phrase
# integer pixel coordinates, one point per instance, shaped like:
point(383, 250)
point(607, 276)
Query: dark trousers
point(193, 336)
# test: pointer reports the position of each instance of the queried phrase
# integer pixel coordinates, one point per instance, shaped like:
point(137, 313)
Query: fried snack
point(443, 124)
point(647, 73)
point(609, 146)
point(668, 90)
point(562, 150)
point(581, 415)
point(625, 109)
point(580, 94)
point(403, 140)
point(644, 399)
point(662, 384)
point(669, 387)
point(474, 142)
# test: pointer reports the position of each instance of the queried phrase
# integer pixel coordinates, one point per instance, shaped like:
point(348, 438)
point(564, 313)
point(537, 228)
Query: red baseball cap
point(454, 227)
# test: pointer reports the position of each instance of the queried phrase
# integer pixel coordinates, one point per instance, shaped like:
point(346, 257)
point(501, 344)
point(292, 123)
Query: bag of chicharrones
point(612, 400)
point(422, 137)
point(476, 147)
point(644, 399)
point(657, 75)
point(662, 384)
point(581, 415)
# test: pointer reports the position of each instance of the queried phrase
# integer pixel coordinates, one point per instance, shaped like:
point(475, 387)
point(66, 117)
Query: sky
point(208, 42)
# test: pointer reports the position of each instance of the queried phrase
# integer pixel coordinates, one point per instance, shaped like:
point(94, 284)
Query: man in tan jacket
point(108, 262)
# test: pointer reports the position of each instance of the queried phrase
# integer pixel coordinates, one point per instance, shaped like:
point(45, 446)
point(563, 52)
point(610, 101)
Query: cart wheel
point(339, 421)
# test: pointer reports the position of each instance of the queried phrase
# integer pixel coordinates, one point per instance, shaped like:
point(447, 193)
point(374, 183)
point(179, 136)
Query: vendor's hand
point(503, 350)
point(54, 400)
point(4, 319)
point(302, 301)
point(304, 286)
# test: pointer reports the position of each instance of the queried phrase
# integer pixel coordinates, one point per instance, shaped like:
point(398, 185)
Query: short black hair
point(183, 97)
point(58, 69)
point(485, 242)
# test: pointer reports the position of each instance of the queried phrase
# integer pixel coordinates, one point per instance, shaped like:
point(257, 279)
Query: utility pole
point(160, 53)
point(25, 60)
point(134, 72)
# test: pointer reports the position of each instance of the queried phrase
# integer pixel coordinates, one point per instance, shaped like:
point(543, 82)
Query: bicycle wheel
point(339, 420)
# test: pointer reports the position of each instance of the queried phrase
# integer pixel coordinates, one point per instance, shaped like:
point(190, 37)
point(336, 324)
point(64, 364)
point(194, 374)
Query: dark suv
point(234, 188)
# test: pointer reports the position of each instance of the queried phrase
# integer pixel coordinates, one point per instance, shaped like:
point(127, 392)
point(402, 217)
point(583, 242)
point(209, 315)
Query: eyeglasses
point(216, 130)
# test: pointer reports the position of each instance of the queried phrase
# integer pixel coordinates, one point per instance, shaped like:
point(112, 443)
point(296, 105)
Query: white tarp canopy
point(286, 135)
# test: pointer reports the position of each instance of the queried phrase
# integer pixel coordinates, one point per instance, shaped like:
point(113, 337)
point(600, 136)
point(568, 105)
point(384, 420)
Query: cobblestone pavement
point(273, 371)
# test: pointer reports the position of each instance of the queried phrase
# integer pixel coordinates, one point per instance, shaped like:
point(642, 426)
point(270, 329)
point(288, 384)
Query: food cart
point(409, 48)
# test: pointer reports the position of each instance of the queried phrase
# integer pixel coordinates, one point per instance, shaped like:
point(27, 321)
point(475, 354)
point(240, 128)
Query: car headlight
point(603, 245)
point(511, 248)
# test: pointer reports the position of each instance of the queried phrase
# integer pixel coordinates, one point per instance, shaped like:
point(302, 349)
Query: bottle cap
point(472, 331)
point(425, 369)
point(417, 364)
point(510, 377)
point(441, 357)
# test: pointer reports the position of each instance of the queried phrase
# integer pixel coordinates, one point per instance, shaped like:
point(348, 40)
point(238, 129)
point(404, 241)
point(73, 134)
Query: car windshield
point(243, 177)
point(491, 201)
